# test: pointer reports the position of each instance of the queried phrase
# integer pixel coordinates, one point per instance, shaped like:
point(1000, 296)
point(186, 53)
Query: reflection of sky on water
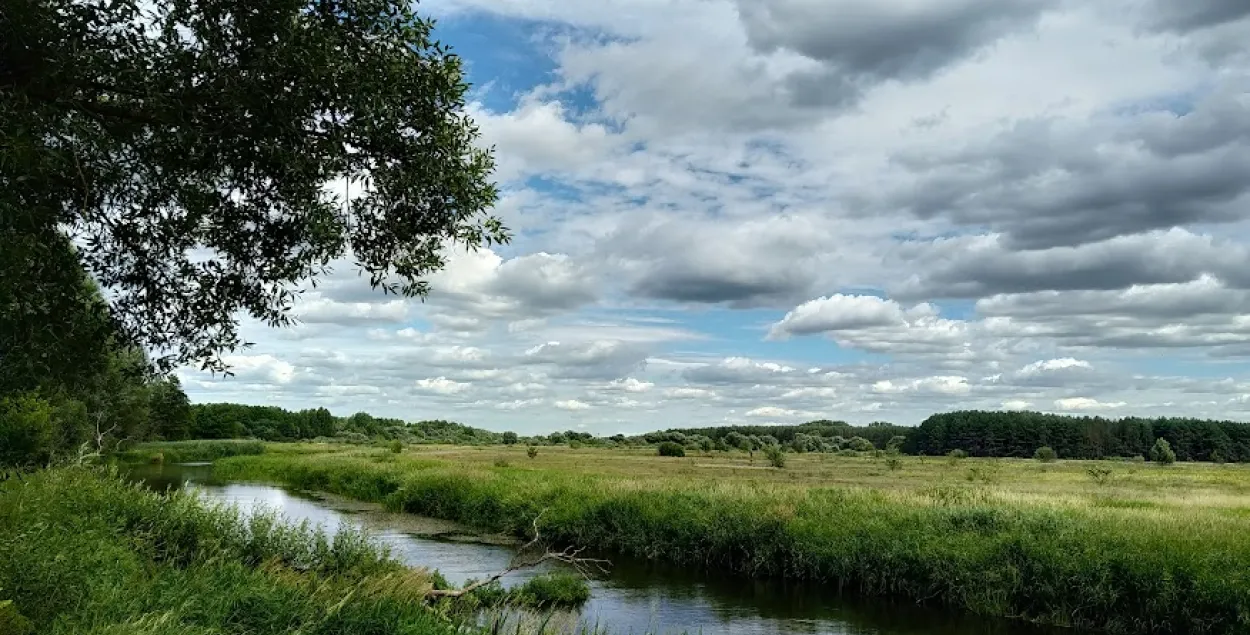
point(637, 597)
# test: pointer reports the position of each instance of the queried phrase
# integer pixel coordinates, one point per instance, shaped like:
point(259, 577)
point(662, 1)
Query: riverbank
point(85, 552)
point(1098, 556)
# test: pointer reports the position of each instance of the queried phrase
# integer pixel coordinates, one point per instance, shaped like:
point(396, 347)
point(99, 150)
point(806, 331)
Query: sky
point(772, 211)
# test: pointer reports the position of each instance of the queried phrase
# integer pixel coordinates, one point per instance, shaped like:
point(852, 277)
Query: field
point(1119, 546)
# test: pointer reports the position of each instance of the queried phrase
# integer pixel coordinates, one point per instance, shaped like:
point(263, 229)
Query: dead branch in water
point(570, 556)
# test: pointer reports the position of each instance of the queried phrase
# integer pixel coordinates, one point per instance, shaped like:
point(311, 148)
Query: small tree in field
point(531, 452)
point(1045, 454)
point(1162, 452)
point(509, 438)
point(776, 456)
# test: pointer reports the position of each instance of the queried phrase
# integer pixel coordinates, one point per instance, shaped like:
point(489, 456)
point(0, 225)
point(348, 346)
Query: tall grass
point(1116, 569)
point(190, 451)
point(82, 552)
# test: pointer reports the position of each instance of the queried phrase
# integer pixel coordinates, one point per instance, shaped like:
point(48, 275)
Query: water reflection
point(636, 597)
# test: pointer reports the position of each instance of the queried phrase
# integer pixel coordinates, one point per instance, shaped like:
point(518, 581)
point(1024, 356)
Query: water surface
point(633, 597)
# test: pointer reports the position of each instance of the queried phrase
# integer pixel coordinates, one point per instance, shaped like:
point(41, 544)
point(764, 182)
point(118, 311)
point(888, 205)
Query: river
point(633, 597)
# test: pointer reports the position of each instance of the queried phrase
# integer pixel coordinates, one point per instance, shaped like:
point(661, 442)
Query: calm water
point(634, 597)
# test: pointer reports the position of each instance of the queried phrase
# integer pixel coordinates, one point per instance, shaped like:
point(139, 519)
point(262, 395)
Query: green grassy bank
point(83, 553)
point(1123, 568)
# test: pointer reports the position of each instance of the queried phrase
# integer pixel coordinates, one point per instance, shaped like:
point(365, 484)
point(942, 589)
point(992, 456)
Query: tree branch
point(570, 556)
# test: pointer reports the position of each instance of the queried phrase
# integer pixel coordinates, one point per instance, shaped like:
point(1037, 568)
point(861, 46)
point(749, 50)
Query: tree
point(187, 147)
point(1045, 454)
point(169, 410)
point(1162, 452)
point(509, 438)
point(670, 448)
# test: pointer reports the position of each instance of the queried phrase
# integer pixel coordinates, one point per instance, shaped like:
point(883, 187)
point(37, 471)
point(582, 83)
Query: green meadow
point(1121, 546)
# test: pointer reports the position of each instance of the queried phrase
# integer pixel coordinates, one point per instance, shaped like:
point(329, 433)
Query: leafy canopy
point(196, 151)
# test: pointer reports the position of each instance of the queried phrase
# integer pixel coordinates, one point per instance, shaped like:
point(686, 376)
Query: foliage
point(26, 436)
point(957, 454)
point(894, 463)
point(502, 462)
point(1045, 454)
point(860, 444)
point(169, 411)
point(776, 456)
point(508, 438)
point(552, 590)
point(1043, 559)
point(831, 433)
point(82, 552)
point(1017, 434)
point(1100, 475)
point(669, 448)
point(531, 452)
point(395, 446)
point(192, 451)
point(1162, 453)
point(151, 130)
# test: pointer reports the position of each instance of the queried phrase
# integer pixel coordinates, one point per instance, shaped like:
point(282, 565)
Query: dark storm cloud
point(867, 41)
point(1044, 185)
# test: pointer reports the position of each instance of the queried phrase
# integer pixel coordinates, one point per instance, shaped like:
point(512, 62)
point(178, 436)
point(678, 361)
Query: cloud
point(689, 393)
point(776, 413)
point(571, 404)
point(609, 359)
point(838, 313)
point(942, 385)
point(1017, 404)
point(1050, 182)
point(629, 384)
point(441, 386)
point(974, 267)
point(1085, 403)
point(861, 42)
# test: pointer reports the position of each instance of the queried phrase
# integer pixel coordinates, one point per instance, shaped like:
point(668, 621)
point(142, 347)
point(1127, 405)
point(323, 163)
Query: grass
point(1153, 549)
point(190, 451)
point(82, 552)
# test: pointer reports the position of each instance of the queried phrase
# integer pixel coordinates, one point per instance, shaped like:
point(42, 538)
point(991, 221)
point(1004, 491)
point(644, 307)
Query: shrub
point(25, 431)
point(669, 448)
point(509, 438)
point(502, 462)
point(895, 443)
point(957, 454)
point(860, 444)
point(575, 445)
point(396, 446)
point(1101, 475)
point(531, 451)
point(1045, 454)
point(1217, 456)
point(560, 589)
point(1162, 452)
point(776, 456)
point(894, 463)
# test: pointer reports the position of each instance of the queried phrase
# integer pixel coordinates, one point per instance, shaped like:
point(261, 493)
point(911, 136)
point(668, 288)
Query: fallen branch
point(570, 556)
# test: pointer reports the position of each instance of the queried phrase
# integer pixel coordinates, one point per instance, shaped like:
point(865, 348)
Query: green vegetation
point(191, 451)
point(668, 448)
point(552, 590)
point(1162, 453)
point(1019, 434)
point(83, 553)
point(531, 452)
point(776, 456)
point(1155, 550)
point(1046, 454)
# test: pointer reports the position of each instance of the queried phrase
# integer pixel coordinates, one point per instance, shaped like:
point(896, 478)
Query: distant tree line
point(270, 423)
point(1020, 434)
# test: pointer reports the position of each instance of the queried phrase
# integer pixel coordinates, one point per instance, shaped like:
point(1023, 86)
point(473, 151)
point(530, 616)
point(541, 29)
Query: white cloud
point(442, 386)
point(1086, 403)
point(571, 404)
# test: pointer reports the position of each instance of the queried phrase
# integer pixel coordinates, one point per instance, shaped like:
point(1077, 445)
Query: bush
point(957, 454)
point(1100, 475)
point(1162, 452)
point(1217, 456)
point(552, 590)
point(894, 463)
point(502, 462)
point(860, 444)
point(1045, 454)
point(531, 451)
point(776, 456)
point(575, 445)
point(669, 448)
point(26, 436)
point(509, 438)
point(396, 446)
